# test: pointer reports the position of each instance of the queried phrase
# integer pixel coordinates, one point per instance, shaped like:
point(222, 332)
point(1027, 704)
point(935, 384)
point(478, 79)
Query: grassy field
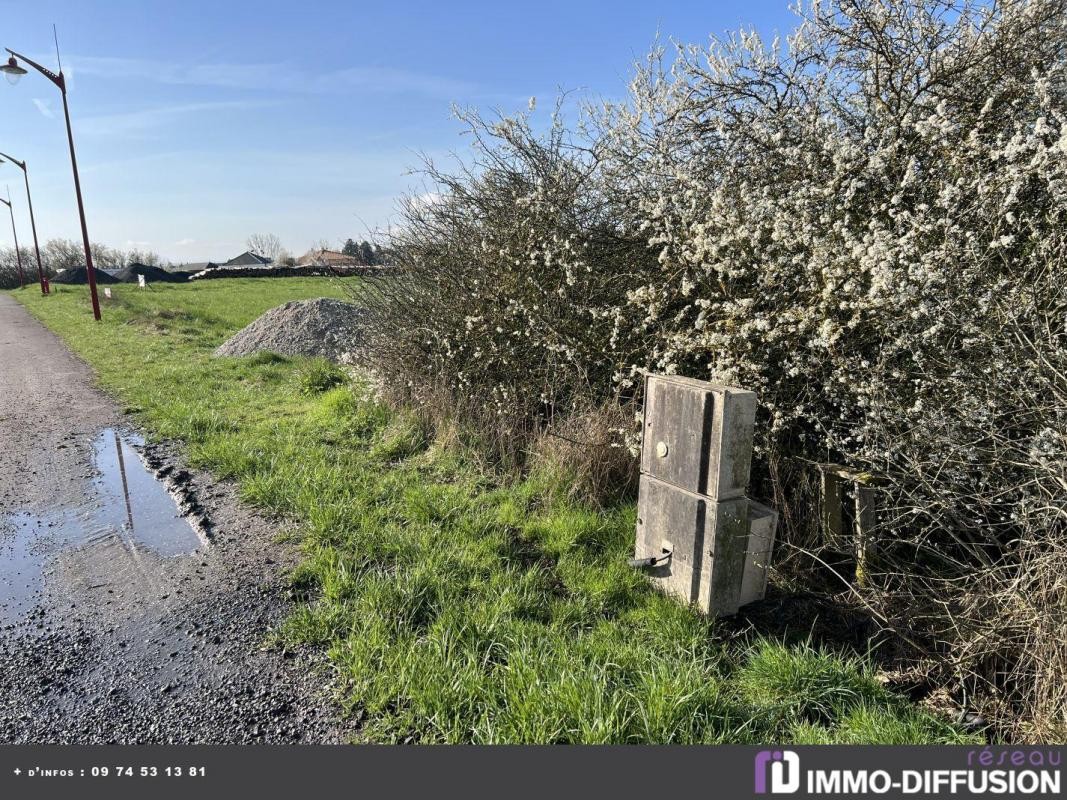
point(455, 604)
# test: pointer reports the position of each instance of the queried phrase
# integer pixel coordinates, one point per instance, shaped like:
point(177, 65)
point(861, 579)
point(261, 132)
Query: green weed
point(319, 375)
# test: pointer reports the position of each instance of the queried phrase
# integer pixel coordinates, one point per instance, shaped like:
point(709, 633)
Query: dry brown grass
point(588, 447)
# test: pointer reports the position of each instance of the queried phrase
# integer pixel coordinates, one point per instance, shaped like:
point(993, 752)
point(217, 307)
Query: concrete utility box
point(696, 455)
point(706, 541)
point(762, 524)
point(698, 435)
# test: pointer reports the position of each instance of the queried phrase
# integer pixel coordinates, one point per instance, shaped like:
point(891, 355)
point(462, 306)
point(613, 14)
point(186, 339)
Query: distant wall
point(288, 272)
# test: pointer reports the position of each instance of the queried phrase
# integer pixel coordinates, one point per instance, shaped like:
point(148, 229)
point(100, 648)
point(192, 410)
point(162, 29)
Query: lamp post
point(14, 71)
point(33, 225)
point(18, 253)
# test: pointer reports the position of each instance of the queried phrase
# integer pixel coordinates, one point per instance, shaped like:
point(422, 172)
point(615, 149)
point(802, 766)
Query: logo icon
point(784, 770)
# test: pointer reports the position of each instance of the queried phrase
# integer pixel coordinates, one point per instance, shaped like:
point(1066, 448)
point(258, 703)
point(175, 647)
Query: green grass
point(456, 605)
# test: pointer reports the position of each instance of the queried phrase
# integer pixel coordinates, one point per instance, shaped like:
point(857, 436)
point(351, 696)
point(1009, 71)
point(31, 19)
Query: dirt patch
point(323, 327)
point(118, 635)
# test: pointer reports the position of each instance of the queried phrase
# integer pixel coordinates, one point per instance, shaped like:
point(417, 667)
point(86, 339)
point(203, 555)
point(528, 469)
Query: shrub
point(586, 448)
point(866, 225)
point(508, 285)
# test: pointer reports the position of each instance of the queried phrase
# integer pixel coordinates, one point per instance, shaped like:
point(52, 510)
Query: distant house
point(248, 259)
point(326, 258)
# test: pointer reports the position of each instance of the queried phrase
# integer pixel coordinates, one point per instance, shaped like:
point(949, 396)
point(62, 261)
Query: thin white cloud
point(184, 242)
point(277, 76)
point(45, 107)
point(132, 122)
point(426, 200)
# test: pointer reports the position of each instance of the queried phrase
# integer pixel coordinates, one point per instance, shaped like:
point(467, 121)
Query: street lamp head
point(12, 70)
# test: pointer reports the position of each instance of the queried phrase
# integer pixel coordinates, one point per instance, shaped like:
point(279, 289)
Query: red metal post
point(81, 207)
point(33, 222)
point(18, 255)
point(33, 227)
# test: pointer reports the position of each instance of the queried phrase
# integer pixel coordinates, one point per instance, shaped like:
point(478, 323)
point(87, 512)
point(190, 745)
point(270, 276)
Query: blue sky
point(200, 123)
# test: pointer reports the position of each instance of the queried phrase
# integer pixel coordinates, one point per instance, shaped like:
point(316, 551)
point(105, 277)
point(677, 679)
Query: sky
point(199, 123)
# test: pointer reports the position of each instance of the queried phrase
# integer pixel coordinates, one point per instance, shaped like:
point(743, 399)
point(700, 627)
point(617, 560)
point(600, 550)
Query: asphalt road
point(121, 621)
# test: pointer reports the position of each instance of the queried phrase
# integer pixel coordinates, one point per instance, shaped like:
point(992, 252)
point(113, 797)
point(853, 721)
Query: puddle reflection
point(126, 509)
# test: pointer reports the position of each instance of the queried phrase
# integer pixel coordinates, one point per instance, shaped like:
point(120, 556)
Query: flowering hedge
point(865, 224)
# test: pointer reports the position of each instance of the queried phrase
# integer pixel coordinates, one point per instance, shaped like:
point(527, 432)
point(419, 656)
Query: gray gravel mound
point(323, 327)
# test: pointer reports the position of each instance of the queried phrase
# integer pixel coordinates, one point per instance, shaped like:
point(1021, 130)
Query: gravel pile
point(323, 327)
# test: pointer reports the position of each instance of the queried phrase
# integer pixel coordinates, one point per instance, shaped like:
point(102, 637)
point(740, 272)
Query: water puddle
point(127, 517)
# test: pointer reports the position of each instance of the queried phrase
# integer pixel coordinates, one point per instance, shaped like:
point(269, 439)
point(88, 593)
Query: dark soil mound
point(78, 276)
point(152, 274)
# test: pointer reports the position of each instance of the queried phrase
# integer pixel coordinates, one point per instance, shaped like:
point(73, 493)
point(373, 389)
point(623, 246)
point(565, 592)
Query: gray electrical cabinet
point(698, 436)
point(693, 515)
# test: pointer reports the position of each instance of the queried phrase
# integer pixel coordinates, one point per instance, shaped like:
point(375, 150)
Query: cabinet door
point(698, 435)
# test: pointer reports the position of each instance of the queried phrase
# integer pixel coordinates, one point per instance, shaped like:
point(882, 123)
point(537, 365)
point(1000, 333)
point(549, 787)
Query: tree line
point(368, 254)
point(59, 254)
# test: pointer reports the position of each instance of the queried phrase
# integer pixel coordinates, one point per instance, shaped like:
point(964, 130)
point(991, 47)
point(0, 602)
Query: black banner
point(534, 772)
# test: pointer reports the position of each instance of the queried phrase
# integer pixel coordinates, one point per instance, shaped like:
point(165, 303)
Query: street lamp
point(18, 253)
point(13, 71)
point(33, 225)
